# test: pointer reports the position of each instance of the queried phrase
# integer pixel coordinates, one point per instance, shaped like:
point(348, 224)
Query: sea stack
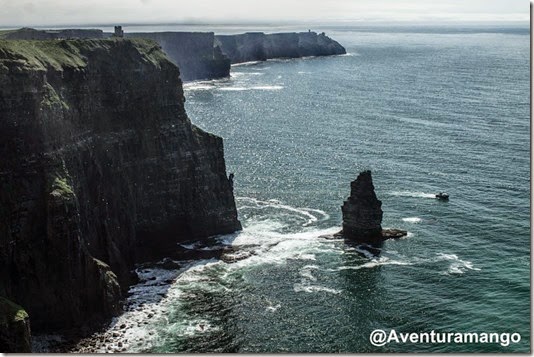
point(362, 213)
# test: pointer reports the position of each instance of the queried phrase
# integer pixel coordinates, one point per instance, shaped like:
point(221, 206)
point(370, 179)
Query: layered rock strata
point(258, 46)
point(195, 53)
point(362, 213)
point(101, 168)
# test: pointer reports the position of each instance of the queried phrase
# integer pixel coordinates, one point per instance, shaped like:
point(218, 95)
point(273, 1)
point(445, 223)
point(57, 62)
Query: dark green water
point(426, 112)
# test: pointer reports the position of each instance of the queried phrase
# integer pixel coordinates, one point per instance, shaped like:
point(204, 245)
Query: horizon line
point(425, 23)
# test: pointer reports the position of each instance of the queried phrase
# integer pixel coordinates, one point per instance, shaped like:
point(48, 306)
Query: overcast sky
point(101, 12)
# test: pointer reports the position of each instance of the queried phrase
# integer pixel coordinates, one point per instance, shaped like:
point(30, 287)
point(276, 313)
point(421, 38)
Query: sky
point(103, 12)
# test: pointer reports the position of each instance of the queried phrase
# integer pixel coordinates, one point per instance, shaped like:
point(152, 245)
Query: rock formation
point(362, 213)
point(258, 46)
point(193, 52)
point(101, 168)
point(14, 328)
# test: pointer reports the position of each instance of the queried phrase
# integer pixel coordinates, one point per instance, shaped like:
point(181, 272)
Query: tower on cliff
point(118, 32)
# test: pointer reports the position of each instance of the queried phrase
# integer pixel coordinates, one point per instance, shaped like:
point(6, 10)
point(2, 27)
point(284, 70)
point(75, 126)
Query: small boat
point(442, 196)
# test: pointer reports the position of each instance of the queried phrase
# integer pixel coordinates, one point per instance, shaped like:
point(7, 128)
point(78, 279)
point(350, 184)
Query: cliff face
point(100, 168)
point(362, 211)
point(14, 328)
point(193, 52)
point(257, 46)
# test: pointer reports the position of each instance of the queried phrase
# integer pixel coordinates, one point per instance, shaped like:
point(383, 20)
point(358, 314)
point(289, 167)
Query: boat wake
point(414, 194)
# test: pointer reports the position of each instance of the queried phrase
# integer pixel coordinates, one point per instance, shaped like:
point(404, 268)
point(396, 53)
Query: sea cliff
point(258, 46)
point(204, 55)
point(193, 52)
point(101, 168)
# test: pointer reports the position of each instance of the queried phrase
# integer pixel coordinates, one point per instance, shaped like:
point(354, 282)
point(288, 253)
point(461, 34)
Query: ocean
point(427, 110)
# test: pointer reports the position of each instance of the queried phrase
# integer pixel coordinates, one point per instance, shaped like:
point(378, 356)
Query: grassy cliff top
point(11, 312)
point(59, 54)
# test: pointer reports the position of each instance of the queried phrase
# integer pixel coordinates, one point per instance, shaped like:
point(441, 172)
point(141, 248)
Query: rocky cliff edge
point(101, 168)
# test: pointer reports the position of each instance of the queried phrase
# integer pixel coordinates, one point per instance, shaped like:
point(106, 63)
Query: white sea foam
point(457, 265)
point(314, 288)
point(250, 63)
point(190, 246)
point(204, 85)
point(240, 89)
point(412, 219)
point(306, 272)
point(309, 215)
point(271, 308)
point(263, 241)
point(373, 263)
point(244, 74)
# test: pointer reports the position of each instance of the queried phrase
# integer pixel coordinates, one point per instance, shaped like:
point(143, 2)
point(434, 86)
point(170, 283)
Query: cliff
point(101, 168)
point(258, 46)
point(193, 52)
point(14, 328)
point(202, 55)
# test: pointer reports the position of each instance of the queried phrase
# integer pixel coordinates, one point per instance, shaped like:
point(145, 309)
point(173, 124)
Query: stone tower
point(118, 32)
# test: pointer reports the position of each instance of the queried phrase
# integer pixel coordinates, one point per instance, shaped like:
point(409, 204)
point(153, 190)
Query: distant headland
point(204, 55)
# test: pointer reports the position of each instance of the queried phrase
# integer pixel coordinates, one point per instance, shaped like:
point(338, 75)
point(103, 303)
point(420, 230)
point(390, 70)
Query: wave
point(263, 241)
point(244, 74)
point(250, 63)
point(272, 308)
point(309, 215)
point(457, 266)
point(314, 288)
point(414, 194)
point(306, 272)
point(373, 263)
point(204, 84)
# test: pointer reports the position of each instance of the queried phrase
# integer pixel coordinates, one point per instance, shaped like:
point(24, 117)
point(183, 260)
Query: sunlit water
point(426, 112)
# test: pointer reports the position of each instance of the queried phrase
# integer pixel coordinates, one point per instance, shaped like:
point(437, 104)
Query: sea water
point(427, 110)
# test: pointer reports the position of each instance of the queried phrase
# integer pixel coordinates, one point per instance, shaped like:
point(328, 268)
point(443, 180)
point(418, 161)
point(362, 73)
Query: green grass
point(11, 312)
point(51, 98)
point(3, 33)
point(59, 54)
point(61, 188)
